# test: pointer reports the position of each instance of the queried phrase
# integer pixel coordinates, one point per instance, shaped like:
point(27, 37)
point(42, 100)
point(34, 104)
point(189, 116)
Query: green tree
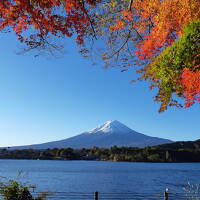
point(13, 190)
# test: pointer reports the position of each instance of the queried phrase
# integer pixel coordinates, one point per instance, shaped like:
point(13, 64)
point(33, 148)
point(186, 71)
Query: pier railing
point(121, 196)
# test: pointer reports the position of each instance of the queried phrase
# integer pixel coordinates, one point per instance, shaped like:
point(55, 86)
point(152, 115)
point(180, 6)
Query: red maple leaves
point(191, 82)
point(42, 17)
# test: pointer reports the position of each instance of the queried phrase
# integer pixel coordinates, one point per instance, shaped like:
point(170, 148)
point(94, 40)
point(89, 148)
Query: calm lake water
point(108, 177)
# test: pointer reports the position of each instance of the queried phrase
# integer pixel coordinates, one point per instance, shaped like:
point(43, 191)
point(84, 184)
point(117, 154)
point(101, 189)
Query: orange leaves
point(118, 26)
point(124, 18)
point(69, 5)
point(155, 26)
point(127, 14)
point(191, 83)
point(146, 9)
point(167, 18)
point(148, 48)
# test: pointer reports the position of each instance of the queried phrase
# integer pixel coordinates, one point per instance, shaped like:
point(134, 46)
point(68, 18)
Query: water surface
point(108, 177)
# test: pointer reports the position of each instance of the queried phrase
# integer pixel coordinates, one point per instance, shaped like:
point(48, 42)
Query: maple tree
point(176, 69)
point(34, 20)
point(161, 38)
point(165, 36)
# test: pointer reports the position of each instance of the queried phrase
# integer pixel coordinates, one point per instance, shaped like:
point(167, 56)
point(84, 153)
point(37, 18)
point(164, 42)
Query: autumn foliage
point(163, 36)
point(33, 20)
point(191, 83)
point(170, 46)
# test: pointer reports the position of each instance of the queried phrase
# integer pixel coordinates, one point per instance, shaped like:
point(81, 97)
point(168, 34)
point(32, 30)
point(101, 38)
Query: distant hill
point(192, 145)
point(109, 134)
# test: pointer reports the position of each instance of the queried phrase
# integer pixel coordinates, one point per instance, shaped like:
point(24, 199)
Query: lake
point(105, 177)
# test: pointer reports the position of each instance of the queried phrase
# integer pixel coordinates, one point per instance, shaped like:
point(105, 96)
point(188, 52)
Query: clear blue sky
point(44, 99)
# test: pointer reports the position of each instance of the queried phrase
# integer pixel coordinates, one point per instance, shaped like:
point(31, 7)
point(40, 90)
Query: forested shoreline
point(173, 152)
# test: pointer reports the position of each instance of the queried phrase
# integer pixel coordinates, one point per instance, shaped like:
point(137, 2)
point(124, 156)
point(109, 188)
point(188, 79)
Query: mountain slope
point(109, 134)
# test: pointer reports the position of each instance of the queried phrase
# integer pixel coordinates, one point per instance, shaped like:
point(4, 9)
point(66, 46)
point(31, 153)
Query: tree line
point(173, 152)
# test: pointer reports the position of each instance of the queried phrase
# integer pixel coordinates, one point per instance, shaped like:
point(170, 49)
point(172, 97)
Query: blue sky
point(45, 98)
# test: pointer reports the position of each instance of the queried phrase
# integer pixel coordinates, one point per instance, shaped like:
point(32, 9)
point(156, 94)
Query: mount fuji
point(109, 134)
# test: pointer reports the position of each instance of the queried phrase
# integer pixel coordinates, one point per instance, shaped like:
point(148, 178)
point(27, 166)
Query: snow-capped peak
point(110, 127)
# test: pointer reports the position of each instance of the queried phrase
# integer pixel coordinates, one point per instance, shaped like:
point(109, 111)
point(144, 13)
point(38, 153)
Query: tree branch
point(130, 5)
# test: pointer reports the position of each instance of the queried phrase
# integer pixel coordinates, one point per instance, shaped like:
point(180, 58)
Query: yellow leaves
point(112, 4)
